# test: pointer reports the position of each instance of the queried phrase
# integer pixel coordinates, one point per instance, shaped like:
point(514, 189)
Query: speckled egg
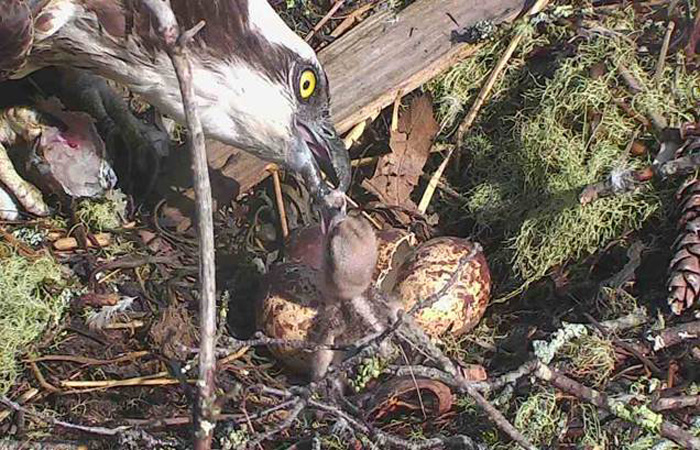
point(393, 246)
point(288, 310)
point(429, 268)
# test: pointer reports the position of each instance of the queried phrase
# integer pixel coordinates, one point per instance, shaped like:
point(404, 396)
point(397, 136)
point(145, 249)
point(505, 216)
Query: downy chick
point(350, 310)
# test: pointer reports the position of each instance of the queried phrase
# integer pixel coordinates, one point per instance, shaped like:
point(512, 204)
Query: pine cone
point(684, 270)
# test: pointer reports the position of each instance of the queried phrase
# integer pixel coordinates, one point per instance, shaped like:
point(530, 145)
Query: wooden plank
point(366, 68)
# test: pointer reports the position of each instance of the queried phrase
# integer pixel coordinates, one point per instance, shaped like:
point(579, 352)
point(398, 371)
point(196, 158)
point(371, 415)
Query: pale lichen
point(35, 295)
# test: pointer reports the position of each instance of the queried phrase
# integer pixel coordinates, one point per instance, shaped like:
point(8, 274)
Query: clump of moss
point(103, 214)
point(369, 369)
point(592, 358)
point(551, 127)
point(594, 434)
point(539, 418)
point(34, 297)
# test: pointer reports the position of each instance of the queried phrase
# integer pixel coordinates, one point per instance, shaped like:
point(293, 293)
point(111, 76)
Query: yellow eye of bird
point(307, 84)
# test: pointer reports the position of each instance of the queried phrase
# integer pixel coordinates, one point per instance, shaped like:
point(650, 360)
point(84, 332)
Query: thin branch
point(661, 63)
point(649, 364)
point(670, 337)
point(324, 20)
point(101, 431)
point(621, 183)
point(277, 185)
point(297, 408)
point(176, 42)
point(126, 434)
point(680, 402)
point(383, 438)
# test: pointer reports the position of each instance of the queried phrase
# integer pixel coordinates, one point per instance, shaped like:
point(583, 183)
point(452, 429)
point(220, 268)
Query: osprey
point(259, 87)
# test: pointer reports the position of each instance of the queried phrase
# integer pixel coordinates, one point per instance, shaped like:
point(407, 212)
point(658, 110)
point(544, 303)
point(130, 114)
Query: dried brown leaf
point(398, 172)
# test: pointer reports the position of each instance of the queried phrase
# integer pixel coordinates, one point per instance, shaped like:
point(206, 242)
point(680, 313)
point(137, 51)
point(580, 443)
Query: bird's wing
point(16, 35)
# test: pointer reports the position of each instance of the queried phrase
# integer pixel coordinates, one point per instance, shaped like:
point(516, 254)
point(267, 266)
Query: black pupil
point(306, 85)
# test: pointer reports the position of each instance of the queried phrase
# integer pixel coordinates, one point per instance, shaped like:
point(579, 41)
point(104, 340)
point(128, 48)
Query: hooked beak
point(328, 151)
point(317, 149)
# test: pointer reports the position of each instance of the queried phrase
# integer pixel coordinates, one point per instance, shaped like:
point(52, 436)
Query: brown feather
point(16, 35)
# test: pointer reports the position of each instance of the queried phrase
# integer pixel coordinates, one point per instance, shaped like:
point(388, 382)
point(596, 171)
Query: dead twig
point(616, 184)
point(661, 63)
point(89, 361)
point(325, 19)
point(151, 380)
point(628, 181)
point(297, 408)
point(649, 364)
point(43, 445)
point(671, 403)
point(351, 19)
point(636, 86)
point(101, 431)
point(70, 243)
point(277, 184)
point(670, 337)
point(176, 42)
point(465, 385)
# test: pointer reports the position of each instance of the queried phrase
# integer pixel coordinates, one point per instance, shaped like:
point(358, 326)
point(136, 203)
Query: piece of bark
point(398, 172)
point(366, 67)
point(71, 243)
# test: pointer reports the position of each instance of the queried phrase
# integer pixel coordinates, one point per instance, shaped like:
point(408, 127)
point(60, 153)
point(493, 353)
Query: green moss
point(592, 358)
point(539, 418)
point(368, 370)
point(551, 127)
point(640, 415)
point(594, 435)
point(34, 297)
point(107, 213)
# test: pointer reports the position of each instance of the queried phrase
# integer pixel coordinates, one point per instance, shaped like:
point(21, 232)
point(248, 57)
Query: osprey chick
point(259, 86)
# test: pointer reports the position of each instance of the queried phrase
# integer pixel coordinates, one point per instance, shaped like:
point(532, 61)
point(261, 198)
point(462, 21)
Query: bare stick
point(670, 337)
point(325, 19)
point(649, 364)
point(102, 431)
point(395, 111)
point(621, 183)
point(476, 107)
point(277, 184)
point(176, 42)
point(636, 86)
point(661, 64)
point(670, 403)
point(467, 386)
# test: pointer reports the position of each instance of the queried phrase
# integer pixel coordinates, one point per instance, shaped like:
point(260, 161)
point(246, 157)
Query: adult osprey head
point(259, 86)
